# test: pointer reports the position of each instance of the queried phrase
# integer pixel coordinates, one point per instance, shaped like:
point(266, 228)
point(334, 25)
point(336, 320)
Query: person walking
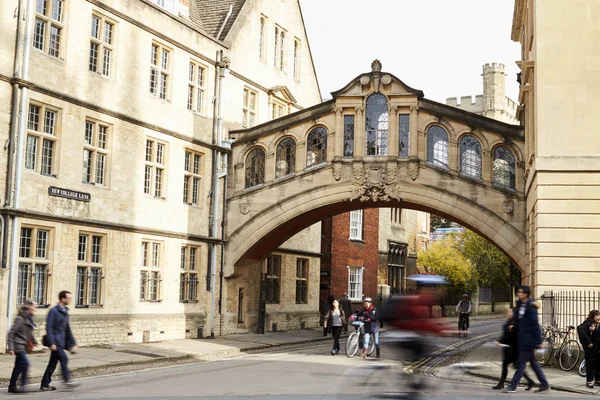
point(346, 306)
point(59, 338)
point(589, 336)
point(336, 319)
point(326, 307)
point(510, 353)
point(20, 342)
point(529, 338)
point(370, 317)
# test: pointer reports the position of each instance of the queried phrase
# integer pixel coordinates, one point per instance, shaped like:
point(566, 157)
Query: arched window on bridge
point(503, 167)
point(470, 157)
point(376, 128)
point(316, 147)
point(437, 146)
point(285, 163)
point(255, 168)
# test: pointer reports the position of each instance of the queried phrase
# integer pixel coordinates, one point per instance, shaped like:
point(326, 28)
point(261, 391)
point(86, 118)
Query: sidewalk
point(489, 356)
point(118, 358)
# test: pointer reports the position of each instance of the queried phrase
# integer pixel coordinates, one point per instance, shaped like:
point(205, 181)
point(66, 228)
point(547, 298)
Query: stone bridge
point(377, 143)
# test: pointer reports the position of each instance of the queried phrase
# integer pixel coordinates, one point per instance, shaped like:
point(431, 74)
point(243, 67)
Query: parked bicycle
point(356, 339)
point(561, 346)
point(582, 369)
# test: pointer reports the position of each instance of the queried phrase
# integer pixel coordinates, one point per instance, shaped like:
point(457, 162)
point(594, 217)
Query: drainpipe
point(19, 159)
point(223, 227)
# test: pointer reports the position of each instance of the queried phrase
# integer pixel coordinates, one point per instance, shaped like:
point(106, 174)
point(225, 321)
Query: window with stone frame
point(41, 147)
point(376, 129)
point(316, 147)
point(348, 135)
point(503, 166)
point(396, 216)
point(404, 135)
point(272, 278)
point(90, 270)
point(396, 264)
point(255, 168)
point(285, 163)
point(160, 70)
point(249, 108)
point(196, 87)
point(155, 168)
point(102, 45)
point(297, 58)
point(301, 281)
point(282, 49)
point(188, 278)
point(192, 177)
point(35, 250)
point(49, 28)
point(437, 146)
point(355, 283)
point(262, 46)
point(470, 157)
point(278, 110)
point(95, 153)
point(150, 271)
point(356, 225)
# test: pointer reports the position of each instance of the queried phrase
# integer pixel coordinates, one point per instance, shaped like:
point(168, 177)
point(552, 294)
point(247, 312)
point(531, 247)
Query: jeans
point(21, 367)
point(336, 331)
point(368, 337)
point(526, 355)
point(58, 355)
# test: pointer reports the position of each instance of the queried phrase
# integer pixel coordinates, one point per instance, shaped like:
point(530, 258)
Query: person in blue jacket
point(529, 339)
point(60, 339)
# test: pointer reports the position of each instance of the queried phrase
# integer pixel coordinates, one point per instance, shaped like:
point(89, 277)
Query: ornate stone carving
point(337, 171)
point(414, 108)
point(413, 169)
point(244, 208)
point(359, 110)
point(339, 110)
point(376, 66)
point(508, 206)
point(386, 79)
point(375, 186)
point(365, 80)
point(392, 171)
point(357, 170)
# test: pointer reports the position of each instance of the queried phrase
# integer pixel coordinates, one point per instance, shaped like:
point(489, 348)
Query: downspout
point(225, 21)
point(19, 163)
point(223, 227)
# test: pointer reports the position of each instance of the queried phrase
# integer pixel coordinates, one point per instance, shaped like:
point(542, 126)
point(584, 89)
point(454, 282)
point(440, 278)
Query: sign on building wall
point(69, 194)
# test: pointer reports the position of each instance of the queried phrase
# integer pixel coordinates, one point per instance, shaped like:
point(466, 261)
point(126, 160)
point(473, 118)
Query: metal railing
point(568, 308)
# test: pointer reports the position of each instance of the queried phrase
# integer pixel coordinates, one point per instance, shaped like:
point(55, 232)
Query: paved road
point(303, 373)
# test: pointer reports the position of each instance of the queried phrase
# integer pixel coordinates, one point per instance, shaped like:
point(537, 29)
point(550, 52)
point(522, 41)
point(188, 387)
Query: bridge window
point(356, 225)
point(437, 146)
point(504, 167)
point(355, 283)
point(395, 269)
point(286, 158)
point(255, 168)
point(348, 135)
point(377, 125)
point(404, 135)
point(273, 270)
point(316, 147)
point(301, 281)
point(470, 157)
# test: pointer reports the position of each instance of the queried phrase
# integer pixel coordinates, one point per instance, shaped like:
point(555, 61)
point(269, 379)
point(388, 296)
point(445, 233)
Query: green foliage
point(490, 265)
point(444, 258)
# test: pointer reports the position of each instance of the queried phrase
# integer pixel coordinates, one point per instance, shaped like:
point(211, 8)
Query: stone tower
point(494, 95)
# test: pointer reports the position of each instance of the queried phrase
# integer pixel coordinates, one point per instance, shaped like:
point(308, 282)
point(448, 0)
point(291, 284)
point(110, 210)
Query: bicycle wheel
point(569, 355)
point(582, 371)
point(545, 357)
point(352, 344)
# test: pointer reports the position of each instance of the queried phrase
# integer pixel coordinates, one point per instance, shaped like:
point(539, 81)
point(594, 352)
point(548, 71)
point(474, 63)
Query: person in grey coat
point(346, 306)
point(20, 338)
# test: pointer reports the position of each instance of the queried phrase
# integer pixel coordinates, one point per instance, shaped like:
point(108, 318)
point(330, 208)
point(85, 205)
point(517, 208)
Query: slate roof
point(210, 15)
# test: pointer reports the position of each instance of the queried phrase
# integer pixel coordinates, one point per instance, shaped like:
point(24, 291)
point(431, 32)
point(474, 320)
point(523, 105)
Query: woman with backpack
point(589, 336)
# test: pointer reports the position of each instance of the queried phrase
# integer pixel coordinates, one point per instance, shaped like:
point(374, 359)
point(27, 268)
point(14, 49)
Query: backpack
point(582, 334)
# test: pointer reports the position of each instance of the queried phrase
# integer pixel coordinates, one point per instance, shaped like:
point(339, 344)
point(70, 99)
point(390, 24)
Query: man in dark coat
point(529, 338)
point(59, 338)
point(346, 306)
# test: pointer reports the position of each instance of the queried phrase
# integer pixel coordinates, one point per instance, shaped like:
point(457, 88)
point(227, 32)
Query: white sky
point(437, 46)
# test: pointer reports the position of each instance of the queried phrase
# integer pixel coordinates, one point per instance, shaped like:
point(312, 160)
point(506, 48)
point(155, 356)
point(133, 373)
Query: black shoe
point(530, 385)
point(47, 388)
point(13, 389)
point(589, 385)
point(498, 387)
point(509, 389)
point(543, 390)
point(333, 352)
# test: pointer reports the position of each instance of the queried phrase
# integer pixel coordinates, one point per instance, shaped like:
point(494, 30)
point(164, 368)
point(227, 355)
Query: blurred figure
point(20, 342)
point(346, 306)
point(326, 307)
point(335, 318)
point(510, 351)
point(370, 317)
point(589, 336)
point(464, 309)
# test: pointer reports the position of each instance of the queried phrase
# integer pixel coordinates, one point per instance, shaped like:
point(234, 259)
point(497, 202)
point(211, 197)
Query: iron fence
point(568, 308)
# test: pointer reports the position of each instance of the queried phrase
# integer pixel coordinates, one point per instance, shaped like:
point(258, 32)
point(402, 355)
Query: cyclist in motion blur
point(464, 309)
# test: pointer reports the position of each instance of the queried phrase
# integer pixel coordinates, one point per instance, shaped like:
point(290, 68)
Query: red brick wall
point(346, 252)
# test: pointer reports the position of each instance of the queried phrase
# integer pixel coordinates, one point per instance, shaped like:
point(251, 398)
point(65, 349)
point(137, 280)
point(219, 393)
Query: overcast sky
point(437, 46)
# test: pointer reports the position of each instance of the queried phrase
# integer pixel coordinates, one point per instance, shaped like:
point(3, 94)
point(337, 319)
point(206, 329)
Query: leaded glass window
point(376, 128)
point(504, 167)
point(348, 135)
point(255, 168)
point(286, 158)
point(404, 135)
point(470, 157)
point(316, 147)
point(437, 146)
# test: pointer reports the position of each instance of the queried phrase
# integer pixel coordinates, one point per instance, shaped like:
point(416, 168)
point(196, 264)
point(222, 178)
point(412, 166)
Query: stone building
point(116, 122)
point(493, 103)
